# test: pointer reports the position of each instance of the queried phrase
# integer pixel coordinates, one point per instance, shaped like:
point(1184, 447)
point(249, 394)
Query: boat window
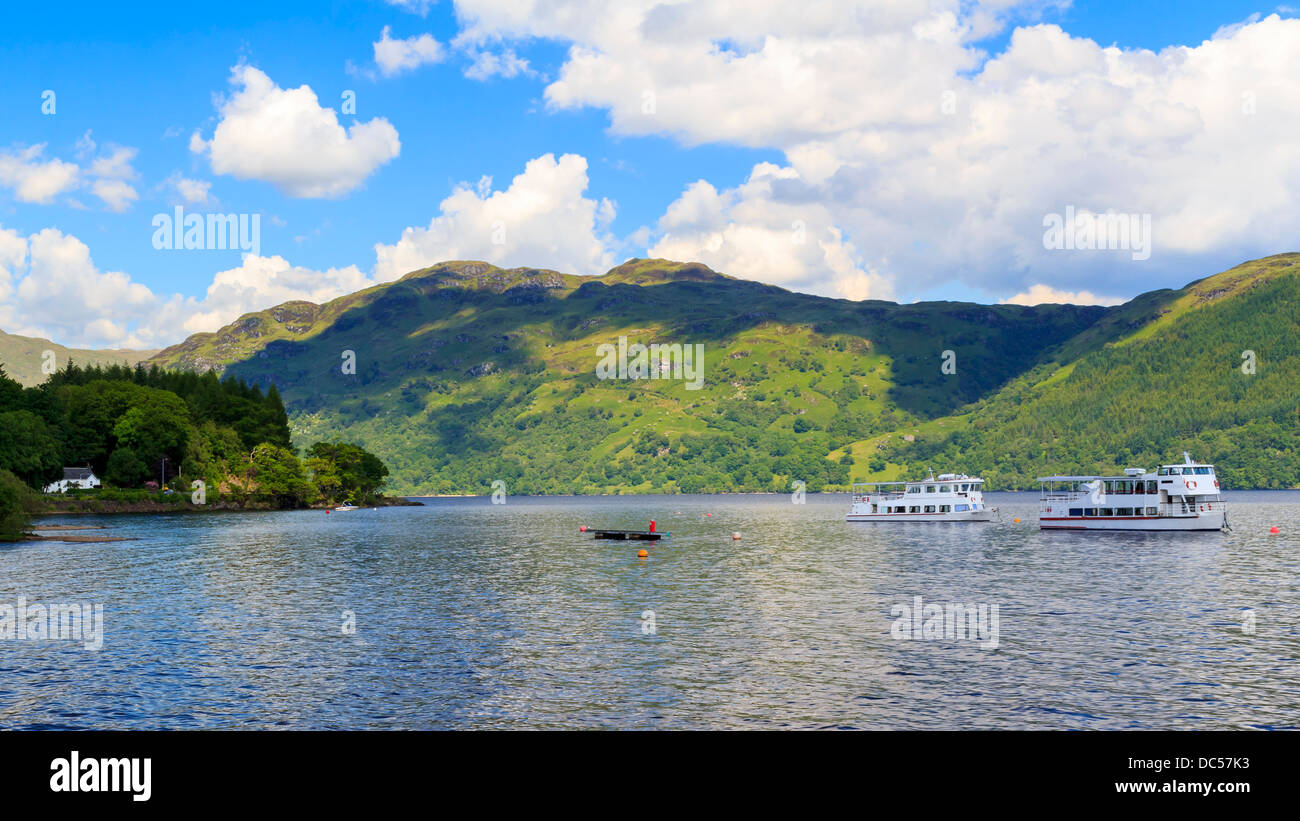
point(1204, 471)
point(929, 488)
point(1175, 471)
point(945, 489)
point(914, 509)
point(1162, 472)
point(945, 508)
point(962, 508)
point(1090, 511)
point(929, 508)
point(1151, 511)
point(1124, 511)
point(1151, 486)
point(1076, 511)
point(914, 489)
point(965, 488)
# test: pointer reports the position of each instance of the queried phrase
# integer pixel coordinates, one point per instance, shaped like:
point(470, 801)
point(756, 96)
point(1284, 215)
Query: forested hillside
point(1217, 373)
point(145, 430)
point(463, 374)
point(466, 374)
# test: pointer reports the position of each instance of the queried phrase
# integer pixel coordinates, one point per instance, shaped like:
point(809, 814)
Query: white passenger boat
point(1174, 497)
point(951, 497)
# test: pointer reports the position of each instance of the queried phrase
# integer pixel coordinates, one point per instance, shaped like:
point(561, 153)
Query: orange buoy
point(1274, 529)
point(1017, 521)
point(641, 554)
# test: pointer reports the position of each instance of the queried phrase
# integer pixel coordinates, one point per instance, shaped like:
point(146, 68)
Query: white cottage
point(83, 478)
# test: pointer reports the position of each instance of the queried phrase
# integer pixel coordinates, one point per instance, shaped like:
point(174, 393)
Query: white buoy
point(735, 537)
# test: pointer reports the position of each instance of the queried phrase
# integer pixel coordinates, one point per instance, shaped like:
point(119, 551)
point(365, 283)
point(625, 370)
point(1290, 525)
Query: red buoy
point(582, 529)
point(1274, 529)
point(652, 525)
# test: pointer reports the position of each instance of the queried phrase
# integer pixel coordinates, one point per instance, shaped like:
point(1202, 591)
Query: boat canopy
point(1079, 478)
point(961, 481)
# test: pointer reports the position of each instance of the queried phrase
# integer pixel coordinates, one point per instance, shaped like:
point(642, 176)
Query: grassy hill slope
point(467, 373)
point(22, 357)
point(1171, 382)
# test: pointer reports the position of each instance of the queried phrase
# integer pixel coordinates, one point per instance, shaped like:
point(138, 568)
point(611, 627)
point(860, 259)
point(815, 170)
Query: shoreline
point(87, 506)
point(84, 506)
point(1033, 490)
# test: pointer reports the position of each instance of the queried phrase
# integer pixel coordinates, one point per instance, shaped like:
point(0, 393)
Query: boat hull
point(1211, 520)
point(963, 516)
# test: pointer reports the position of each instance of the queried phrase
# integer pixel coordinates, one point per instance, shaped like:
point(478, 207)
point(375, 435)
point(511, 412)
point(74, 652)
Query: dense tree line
point(133, 425)
point(1219, 383)
point(144, 427)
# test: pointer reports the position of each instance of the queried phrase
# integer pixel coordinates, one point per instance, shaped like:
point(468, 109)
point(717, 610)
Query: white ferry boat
point(951, 497)
point(1174, 497)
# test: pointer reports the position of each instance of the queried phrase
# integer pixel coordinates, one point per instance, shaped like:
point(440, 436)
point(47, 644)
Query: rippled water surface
point(473, 615)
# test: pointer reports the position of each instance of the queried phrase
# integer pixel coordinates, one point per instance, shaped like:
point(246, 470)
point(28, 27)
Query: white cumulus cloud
point(190, 190)
point(543, 218)
point(1040, 294)
point(262, 282)
point(488, 64)
point(50, 287)
point(32, 178)
point(395, 56)
point(285, 137)
point(935, 160)
point(753, 231)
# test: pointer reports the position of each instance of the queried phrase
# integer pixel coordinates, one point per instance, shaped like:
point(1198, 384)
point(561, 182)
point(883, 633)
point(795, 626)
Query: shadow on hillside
point(415, 330)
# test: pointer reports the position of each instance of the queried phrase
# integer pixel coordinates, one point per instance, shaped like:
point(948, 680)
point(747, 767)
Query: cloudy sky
point(893, 149)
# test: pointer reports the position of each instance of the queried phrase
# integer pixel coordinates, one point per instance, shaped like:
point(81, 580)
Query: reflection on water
point(474, 615)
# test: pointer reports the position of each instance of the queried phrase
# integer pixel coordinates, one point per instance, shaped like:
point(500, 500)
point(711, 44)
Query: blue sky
point(148, 80)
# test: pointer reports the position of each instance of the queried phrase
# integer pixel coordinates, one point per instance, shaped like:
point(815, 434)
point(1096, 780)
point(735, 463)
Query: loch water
point(465, 614)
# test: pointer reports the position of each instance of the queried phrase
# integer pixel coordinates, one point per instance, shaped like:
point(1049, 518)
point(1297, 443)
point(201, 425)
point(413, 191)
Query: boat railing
point(877, 497)
point(1109, 500)
point(1191, 506)
point(1059, 495)
point(1185, 506)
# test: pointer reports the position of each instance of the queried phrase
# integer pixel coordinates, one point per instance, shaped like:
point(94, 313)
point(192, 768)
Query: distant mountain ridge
point(23, 357)
point(466, 373)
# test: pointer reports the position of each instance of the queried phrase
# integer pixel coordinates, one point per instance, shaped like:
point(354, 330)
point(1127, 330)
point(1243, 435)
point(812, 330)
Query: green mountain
point(462, 374)
point(466, 373)
point(1212, 369)
point(22, 357)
